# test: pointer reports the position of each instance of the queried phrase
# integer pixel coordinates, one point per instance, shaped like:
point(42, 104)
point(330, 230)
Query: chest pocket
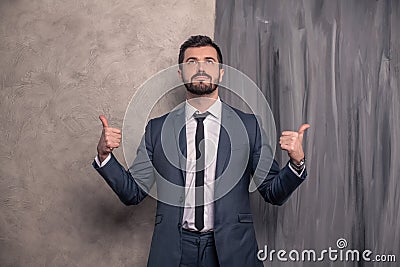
point(245, 217)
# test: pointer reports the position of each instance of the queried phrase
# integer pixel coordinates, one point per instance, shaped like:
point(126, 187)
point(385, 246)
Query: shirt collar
point(214, 109)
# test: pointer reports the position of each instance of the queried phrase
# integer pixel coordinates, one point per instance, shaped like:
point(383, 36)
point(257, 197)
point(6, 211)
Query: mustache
point(199, 74)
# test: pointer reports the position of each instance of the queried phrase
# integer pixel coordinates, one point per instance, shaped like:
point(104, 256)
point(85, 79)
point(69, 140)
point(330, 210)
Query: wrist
point(298, 165)
point(296, 157)
point(295, 161)
point(102, 157)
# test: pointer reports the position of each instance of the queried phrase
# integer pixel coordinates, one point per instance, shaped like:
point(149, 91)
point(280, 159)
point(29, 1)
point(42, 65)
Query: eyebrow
point(198, 58)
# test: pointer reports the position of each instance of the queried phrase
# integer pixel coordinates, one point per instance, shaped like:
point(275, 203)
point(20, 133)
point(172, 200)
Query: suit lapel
point(180, 137)
point(224, 144)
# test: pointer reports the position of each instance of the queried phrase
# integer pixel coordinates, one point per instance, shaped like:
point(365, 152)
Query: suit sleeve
point(133, 185)
point(274, 184)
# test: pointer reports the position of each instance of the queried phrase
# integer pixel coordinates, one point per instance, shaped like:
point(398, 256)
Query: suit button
point(181, 199)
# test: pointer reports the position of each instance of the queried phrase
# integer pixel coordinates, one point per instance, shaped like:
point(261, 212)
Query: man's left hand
point(292, 142)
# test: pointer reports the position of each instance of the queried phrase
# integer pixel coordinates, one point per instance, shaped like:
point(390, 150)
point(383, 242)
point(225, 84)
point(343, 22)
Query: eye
point(191, 62)
point(210, 61)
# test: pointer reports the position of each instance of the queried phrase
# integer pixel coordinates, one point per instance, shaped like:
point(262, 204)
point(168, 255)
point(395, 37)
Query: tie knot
point(201, 116)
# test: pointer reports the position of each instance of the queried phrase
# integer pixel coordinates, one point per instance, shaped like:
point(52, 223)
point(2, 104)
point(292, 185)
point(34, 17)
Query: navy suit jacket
point(242, 154)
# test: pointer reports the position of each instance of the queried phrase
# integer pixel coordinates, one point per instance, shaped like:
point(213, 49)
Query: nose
point(200, 66)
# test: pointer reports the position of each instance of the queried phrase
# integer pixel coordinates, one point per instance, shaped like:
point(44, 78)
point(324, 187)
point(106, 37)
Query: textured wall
point(335, 65)
point(62, 64)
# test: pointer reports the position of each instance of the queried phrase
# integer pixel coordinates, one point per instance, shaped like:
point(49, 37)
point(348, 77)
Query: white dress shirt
point(212, 125)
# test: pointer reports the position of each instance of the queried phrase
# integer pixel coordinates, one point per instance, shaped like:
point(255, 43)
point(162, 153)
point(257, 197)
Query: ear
point(221, 73)
point(180, 73)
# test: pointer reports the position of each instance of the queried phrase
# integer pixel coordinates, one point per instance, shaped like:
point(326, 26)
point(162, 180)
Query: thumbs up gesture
point(110, 138)
point(292, 142)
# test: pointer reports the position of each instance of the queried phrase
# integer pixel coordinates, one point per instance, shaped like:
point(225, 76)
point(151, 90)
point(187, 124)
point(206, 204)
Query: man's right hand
point(110, 138)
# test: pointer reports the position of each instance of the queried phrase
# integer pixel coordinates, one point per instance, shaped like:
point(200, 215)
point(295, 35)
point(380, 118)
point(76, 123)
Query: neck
point(202, 102)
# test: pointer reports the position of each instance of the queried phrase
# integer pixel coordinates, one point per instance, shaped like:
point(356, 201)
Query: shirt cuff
point(104, 161)
point(295, 172)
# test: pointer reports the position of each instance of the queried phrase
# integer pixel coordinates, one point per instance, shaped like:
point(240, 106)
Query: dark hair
point(198, 41)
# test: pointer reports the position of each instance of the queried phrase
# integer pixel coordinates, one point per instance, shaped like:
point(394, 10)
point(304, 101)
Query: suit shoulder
point(245, 117)
point(159, 120)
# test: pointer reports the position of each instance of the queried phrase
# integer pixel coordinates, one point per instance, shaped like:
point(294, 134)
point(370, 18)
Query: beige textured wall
point(62, 64)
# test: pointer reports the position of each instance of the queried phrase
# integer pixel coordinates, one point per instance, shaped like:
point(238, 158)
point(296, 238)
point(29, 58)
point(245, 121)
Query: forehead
point(201, 52)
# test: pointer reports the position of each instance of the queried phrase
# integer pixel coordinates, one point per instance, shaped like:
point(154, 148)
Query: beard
point(201, 87)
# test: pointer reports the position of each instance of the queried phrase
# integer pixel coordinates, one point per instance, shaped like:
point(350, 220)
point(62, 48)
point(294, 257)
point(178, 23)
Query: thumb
point(302, 128)
point(103, 121)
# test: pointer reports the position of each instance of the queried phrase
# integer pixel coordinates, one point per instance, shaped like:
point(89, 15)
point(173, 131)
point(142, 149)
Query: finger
point(289, 143)
point(112, 131)
point(286, 144)
point(111, 135)
point(115, 130)
point(286, 147)
point(113, 145)
point(112, 140)
point(116, 145)
point(288, 138)
point(303, 127)
point(103, 121)
point(286, 133)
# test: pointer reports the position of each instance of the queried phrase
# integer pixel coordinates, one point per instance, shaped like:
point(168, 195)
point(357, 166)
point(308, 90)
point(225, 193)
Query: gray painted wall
point(62, 64)
point(335, 65)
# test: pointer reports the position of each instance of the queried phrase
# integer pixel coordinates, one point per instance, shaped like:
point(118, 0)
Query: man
point(213, 226)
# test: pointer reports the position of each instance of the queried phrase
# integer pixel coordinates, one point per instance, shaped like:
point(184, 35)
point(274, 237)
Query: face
point(200, 70)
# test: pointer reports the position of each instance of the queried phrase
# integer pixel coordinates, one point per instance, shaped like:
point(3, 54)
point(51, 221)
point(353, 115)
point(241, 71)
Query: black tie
point(200, 162)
